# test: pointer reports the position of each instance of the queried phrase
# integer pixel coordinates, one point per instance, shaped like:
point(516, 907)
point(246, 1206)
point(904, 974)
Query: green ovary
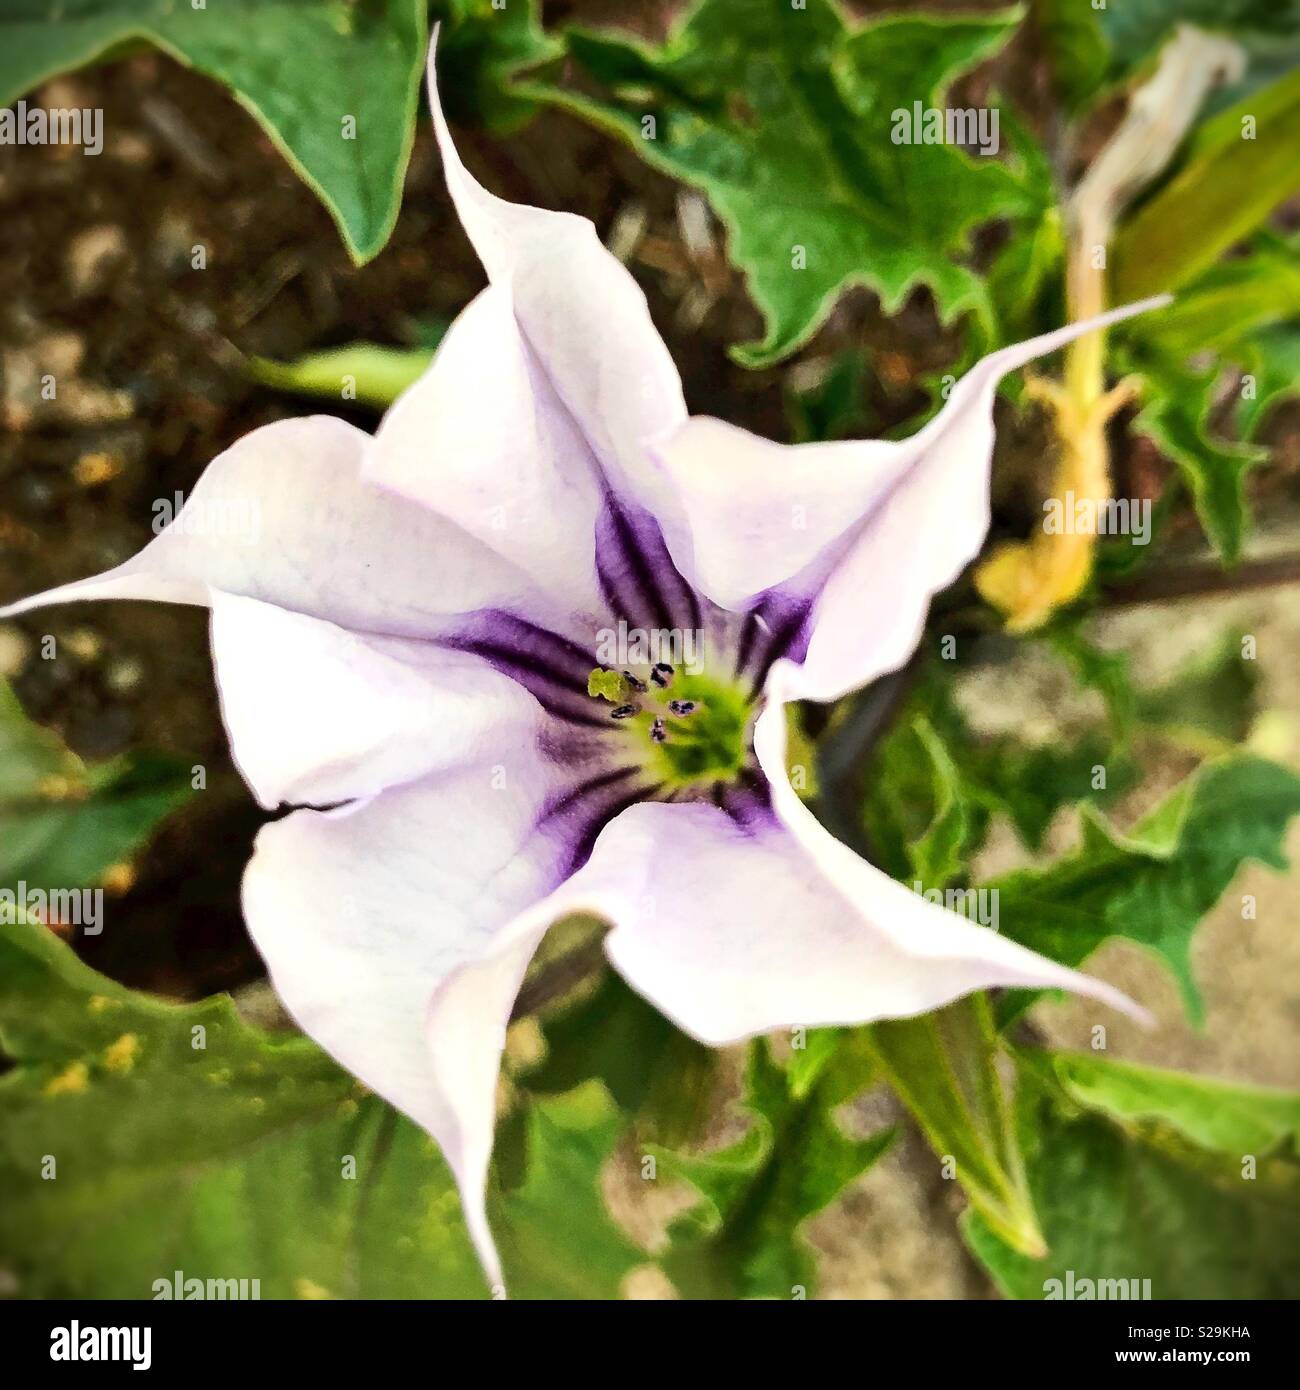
point(707, 745)
point(710, 745)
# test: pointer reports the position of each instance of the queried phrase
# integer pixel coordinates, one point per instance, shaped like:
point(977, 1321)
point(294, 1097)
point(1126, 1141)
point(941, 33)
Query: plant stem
point(1028, 580)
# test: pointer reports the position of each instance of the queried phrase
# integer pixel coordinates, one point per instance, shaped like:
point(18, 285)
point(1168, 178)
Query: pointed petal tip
point(430, 63)
point(1132, 310)
point(1116, 999)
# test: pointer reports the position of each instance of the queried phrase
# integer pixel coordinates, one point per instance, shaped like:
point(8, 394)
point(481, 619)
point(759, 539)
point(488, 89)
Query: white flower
point(410, 655)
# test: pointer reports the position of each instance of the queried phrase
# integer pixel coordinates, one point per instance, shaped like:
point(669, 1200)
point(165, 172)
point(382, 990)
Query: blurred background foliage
point(199, 1132)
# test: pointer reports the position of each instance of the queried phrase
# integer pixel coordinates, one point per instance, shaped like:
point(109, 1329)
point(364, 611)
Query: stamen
point(633, 683)
point(625, 711)
point(658, 734)
point(662, 674)
point(681, 708)
point(607, 685)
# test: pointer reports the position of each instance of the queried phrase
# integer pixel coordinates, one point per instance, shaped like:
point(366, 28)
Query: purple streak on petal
point(637, 576)
point(748, 800)
point(750, 630)
point(579, 815)
point(591, 787)
point(777, 626)
point(550, 667)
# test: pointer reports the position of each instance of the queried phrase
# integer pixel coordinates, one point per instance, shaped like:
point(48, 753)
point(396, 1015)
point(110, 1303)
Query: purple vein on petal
point(636, 574)
point(550, 667)
point(776, 626)
point(747, 800)
point(581, 813)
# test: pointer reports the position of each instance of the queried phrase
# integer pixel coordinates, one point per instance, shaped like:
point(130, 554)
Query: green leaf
point(1105, 672)
point(1137, 28)
point(1001, 775)
point(1176, 416)
point(1153, 884)
point(1142, 1174)
point(554, 1232)
point(943, 1065)
point(1025, 278)
point(1272, 360)
point(363, 372)
point(940, 855)
point(1224, 190)
point(480, 48)
point(63, 824)
point(833, 407)
point(301, 67)
point(1223, 306)
point(654, 1072)
point(1212, 696)
point(1078, 51)
point(1245, 311)
point(181, 1137)
point(783, 117)
point(742, 1239)
point(130, 1100)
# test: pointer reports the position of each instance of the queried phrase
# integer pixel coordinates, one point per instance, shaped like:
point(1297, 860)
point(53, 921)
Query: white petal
point(392, 930)
point(732, 931)
point(465, 1036)
point(868, 531)
point(583, 315)
point(317, 714)
point(284, 516)
point(757, 513)
point(483, 439)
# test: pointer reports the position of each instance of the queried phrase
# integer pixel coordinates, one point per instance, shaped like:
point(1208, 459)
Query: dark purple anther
point(658, 734)
point(662, 674)
point(681, 708)
point(638, 685)
point(624, 711)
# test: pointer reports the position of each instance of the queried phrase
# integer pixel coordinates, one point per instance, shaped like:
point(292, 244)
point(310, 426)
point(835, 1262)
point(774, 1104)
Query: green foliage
point(1227, 303)
point(183, 1138)
point(480, 49)
point(1078, 52)
point(303, 68)
point(1027, 783)
point(1025, 278)
point(943, 1065)
point(555, 1235)
point(62, 823)
point(1140, 1174)
point(1176, 416)
point(783, 117)
point(939, 853)
point(1153, 884)
point(834, 407)
point(129, 1102)
point(1225, 188)
point(655, 1073)
point(1105, 672)
point(1246, 312)
point(1272, 359)
point(1212, 700)
point(1137, 28)
point(742, 1239)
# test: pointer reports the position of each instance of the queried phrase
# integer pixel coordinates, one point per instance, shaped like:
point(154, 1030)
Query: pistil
point(698, 738)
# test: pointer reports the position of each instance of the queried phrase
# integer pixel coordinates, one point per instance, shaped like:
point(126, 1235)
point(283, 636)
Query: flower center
point(694, 730)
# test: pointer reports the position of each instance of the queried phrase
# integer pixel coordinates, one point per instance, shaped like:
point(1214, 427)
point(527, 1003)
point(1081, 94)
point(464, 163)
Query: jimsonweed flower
point(525, 653)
